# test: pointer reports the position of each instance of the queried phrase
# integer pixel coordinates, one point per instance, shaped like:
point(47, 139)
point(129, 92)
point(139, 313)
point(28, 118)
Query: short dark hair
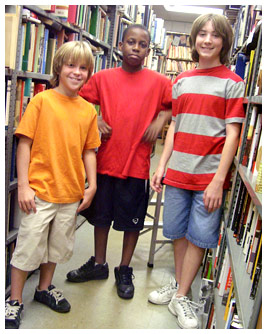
point(221, 26)
point(140, 26)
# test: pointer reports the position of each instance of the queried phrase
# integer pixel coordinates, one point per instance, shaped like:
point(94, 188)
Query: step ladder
point(154, 225)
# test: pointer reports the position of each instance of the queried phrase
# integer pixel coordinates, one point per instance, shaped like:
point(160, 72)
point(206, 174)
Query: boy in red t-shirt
point(131, 99)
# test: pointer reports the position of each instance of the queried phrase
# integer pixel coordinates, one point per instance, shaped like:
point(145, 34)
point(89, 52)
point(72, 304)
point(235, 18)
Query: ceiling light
point(193, 9)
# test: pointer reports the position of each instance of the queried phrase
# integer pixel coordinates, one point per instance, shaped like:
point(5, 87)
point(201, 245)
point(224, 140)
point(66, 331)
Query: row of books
point(244, 68)
point(178, 66)
point(247, 18)
point(179, 52)
point(92, 19)
point(175, 39)
point(25, 90)
point(252, 156)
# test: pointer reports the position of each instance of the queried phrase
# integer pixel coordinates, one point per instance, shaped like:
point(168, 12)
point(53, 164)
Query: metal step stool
point(154, 226)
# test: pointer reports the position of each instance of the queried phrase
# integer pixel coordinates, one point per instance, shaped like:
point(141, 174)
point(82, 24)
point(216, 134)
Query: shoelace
point(87, 265)
point(165, 288)
point(57, 294)
point(127, 278)
point(190, 308)
point(11, 311)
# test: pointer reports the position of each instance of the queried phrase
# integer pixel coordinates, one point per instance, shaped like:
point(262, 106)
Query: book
point(250, 234)
point(224, 273)
point(232, 310)
point(251, 212)
point(72, 14)
point(256, 275)
point(11, 36)
point(241, 64)
point(255, 238)
point(94, 17)
point(254, 143)
point(25, 57)
point(230, 296)
point(7, 101)
point(243, 220)
point(248, 142)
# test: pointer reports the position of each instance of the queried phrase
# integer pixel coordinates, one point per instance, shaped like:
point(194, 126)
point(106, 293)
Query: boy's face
point(72, 77)
point(135, 48)
point(209, 44)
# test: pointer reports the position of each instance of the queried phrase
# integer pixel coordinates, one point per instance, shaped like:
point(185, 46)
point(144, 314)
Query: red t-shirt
point(129, 102)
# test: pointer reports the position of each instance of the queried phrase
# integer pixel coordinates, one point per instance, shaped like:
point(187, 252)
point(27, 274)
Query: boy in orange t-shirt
point(58, 135)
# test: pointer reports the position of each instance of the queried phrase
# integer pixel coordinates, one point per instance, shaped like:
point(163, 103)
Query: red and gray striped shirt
point(204, 101)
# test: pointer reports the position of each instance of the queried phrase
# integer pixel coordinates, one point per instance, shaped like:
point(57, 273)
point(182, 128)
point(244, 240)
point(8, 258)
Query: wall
point(175, 26)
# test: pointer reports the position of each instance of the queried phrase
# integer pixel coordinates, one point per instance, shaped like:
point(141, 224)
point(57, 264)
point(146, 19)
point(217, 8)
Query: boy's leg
point(101, 240)
point(18, 279)
point(190, 265)
point(179, 248)
point(129, 243)
point(14, 306)
point(46, 275)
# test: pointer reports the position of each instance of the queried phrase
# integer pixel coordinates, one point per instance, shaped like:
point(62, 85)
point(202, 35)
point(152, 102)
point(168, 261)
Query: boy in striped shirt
point(201, 144)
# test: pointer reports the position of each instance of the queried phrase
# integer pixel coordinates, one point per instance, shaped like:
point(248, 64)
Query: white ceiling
point(161, 12)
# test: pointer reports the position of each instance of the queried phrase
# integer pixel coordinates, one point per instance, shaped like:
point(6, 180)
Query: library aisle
point(95, 304)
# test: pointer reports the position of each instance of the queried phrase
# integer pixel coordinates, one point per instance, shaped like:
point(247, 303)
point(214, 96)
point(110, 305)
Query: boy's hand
point(26, 199)
point(104, 128)
point(151, 133)
point(213, 196)
point(156, 181)
point(89, 194)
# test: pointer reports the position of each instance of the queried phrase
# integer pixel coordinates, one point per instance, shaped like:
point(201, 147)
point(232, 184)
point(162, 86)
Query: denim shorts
point(185, 215)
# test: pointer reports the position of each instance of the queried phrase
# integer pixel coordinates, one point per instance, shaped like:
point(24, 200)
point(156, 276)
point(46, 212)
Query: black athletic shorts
point(123, 201)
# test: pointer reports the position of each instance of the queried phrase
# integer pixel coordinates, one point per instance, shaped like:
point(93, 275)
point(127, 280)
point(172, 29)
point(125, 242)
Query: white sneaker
point(163, 295)
point(182, 307)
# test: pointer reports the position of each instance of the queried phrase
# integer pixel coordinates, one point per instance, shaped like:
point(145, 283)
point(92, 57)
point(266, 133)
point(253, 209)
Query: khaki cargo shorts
point(45, 236)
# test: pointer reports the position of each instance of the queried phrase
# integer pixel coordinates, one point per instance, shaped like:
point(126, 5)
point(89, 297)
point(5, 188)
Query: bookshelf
point(26, 69)
point(178, 54)
point(242, 219)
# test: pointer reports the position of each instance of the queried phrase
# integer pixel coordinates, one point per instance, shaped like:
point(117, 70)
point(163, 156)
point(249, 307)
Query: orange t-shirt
point(61, 128)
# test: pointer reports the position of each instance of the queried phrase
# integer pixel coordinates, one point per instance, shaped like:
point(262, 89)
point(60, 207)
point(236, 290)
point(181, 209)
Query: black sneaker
point(13, 311)
point(53, 298)
point(89, 271)
point(123, 276)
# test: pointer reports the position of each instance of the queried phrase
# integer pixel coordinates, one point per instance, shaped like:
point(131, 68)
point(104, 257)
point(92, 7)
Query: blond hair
point(221, 26)
point(76, 52)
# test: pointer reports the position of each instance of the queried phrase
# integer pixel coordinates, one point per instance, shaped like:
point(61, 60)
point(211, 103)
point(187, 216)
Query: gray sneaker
point(183, 308)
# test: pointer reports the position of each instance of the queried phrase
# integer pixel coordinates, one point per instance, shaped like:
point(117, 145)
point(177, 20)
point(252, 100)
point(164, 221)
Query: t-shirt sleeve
point(234, 103)
point(90, 91)
point(166, 103)
point(93, 138)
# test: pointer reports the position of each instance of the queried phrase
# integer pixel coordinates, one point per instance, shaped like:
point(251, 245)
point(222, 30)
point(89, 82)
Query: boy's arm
point(156, 126)
point(214, 192)
point(25, 192)
point(167, 151)
point(89, 160)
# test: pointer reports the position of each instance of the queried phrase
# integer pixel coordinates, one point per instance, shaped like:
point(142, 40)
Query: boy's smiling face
point(135, 48)
point(208, 45)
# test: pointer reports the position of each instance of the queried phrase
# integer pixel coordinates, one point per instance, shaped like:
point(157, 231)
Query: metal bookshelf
point(248, 309)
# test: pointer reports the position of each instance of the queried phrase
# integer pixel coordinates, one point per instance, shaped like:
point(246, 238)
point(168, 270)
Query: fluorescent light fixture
point(192, 9)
